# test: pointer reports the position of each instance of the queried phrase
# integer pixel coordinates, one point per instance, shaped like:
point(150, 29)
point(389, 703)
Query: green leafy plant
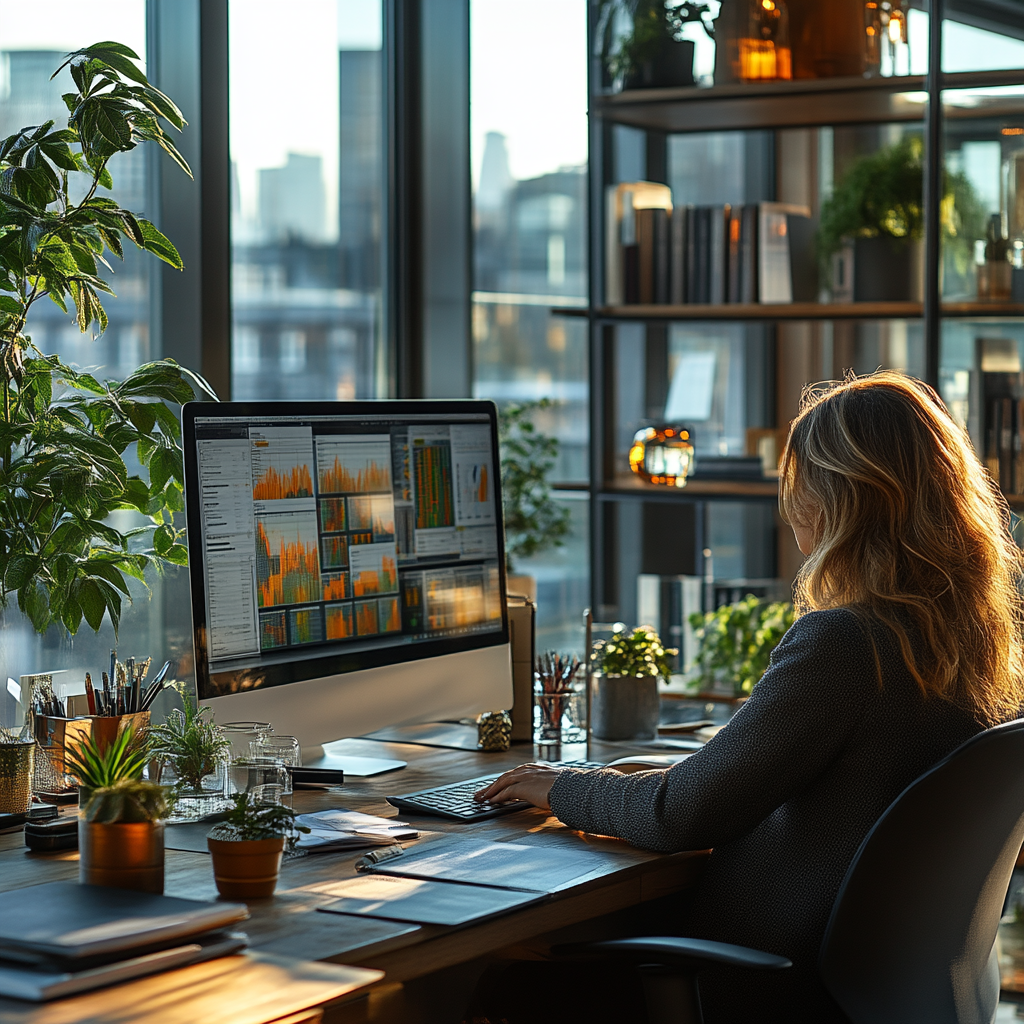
point(735, 642)
point(191, 742)
point(129, 800)
point(64, 436)
point(98, 767)
point(636, 653)
point(534, 521)
point(882, 194)
point(252, 818)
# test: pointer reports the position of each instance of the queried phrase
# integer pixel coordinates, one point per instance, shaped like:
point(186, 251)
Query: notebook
point(72, 922)
point(422, 901)
point(537, 869)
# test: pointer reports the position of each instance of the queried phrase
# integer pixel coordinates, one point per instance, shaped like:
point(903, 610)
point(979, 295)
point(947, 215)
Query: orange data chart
point(274, 486)
point(287, 559)
point(353, 465)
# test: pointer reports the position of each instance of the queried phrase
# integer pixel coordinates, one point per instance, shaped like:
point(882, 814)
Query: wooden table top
point(285, 924)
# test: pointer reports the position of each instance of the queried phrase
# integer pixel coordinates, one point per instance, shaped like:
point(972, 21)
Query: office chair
point(911, 937)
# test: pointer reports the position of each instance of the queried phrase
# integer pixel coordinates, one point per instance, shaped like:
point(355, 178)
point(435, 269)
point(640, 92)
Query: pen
point(89, 695)
point(371, 860)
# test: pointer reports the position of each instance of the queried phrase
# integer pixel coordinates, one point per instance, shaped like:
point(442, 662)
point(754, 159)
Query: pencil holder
point(55, 735)
point(16, 763)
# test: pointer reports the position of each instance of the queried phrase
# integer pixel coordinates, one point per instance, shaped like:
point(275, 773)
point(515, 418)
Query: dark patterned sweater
point(784, 795)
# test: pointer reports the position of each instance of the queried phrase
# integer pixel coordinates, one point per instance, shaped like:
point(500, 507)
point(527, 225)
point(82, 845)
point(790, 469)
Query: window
point(307, 187)
point(528, 116)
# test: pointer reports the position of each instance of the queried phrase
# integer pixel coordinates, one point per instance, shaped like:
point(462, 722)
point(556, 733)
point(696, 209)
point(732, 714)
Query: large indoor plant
point(534, 521)
point(67, 440)
point(878, 207)
point(625, 670)
point(121, 836)
point(247, 846)
point(735, 644)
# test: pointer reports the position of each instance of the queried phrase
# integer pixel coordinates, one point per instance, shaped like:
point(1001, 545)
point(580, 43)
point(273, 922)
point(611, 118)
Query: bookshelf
point(637, 527)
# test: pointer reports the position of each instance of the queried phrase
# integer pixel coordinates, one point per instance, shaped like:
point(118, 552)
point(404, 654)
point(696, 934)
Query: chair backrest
point(912, 932)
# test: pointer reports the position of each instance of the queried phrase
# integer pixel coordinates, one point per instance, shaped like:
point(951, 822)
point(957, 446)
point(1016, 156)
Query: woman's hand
point(529, 782)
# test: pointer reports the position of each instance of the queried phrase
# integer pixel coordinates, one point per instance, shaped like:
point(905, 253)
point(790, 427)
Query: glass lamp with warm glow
point(662, 455)
point(764, 52)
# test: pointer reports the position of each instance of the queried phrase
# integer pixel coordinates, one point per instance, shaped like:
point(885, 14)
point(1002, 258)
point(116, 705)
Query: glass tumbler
point(241, 736)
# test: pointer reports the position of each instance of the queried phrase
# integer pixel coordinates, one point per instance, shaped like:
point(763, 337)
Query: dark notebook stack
point(62, 938)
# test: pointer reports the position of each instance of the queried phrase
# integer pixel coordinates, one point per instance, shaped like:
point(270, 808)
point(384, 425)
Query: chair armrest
point(669, 950)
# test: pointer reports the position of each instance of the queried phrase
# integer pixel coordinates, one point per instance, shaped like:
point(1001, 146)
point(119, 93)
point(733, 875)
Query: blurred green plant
point(882, 194)
point(636, 653)
point(534, 521)
point(64, 436)
point(735, 642)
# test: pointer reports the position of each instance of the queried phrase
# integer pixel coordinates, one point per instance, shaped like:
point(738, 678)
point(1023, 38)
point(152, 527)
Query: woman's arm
point(797, 719)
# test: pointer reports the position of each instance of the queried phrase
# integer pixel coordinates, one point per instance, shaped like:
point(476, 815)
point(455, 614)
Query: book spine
point(774, 283)
point(718, 255)
point(677, 289)
point(691, 255)
point(613, 282)
point(661, 256)
point(748, 255)
point(646, 248)
point(734, 291)
point(703, 254)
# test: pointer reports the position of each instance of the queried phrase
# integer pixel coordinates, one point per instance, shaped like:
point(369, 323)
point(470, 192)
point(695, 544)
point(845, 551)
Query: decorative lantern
point(662, 455)
point(765, 52)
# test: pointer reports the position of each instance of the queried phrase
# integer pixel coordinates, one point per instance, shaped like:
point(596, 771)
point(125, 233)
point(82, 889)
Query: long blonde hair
point(910, 529)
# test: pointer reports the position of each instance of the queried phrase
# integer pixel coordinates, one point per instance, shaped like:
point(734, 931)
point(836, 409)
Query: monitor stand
point(357, 767)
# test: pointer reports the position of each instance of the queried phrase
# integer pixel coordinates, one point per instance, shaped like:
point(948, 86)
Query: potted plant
point(196, 751)
point(66, 437)
point(735, 644)
point(878, 207)
point(99, 766)
point(534, 521)
point(625, 673)
point(248, 845)
point(649, 54)
point(121, 836)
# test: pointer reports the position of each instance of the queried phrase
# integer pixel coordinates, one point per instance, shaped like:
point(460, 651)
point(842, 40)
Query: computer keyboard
point(455, 801)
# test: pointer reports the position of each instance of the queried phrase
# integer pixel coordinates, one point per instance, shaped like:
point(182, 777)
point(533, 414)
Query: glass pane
point(307, 176)
point(529, 156)
point(966, 48)
point(155, 625)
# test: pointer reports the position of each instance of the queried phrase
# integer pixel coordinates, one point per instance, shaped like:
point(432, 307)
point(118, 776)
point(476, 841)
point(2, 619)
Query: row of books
point(660, 253)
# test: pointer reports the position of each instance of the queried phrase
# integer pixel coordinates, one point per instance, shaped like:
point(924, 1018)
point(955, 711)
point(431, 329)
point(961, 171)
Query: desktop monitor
point(346, 564)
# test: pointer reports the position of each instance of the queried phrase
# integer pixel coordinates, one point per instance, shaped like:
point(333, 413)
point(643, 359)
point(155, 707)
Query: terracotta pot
point(125, 855)
point(246, 868)
point(624, 707)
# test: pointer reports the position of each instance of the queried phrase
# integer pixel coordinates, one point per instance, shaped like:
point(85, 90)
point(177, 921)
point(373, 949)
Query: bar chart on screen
point(360, 465)
point(287, 560)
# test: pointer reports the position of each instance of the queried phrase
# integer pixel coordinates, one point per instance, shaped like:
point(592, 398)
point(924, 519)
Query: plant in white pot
point(248, 845)
point(625, 673)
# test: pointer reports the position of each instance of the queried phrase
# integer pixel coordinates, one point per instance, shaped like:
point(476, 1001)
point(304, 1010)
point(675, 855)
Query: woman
point(908, 642)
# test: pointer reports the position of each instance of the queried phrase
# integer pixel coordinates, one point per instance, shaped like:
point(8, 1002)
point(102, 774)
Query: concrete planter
point(624, 707)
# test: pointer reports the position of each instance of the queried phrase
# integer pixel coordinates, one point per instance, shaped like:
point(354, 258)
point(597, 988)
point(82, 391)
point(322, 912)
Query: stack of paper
point(340, 829)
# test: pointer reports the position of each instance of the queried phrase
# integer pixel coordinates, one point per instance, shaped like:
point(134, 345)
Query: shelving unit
point(942, 103)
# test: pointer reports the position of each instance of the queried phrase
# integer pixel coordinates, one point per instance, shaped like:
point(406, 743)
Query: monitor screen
point(327, 538)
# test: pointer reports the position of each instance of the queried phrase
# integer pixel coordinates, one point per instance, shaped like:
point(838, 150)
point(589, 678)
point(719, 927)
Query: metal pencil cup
point(16, 764)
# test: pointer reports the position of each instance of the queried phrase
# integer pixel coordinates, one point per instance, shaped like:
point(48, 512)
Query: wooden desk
point(286, 925)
